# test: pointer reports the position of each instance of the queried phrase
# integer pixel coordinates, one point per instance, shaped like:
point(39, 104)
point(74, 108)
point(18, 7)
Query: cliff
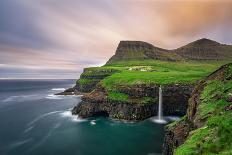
point(138, 50)
point(207, 126)
point(142, 56)
point(140, 102)
point(202, 49)
point(91, 76)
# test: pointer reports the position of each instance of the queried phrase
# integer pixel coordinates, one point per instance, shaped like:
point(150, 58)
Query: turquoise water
point(35, 122)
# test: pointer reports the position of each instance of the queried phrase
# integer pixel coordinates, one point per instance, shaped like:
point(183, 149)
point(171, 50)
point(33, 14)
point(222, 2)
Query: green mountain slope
point(207, 127)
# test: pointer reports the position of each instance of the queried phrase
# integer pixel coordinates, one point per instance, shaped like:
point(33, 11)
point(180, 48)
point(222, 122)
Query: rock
point(229, 99)
point(131, 50)
point(70, 91)
point(175, 98)
point(228, 108)
point(115, 110)
point(175, 136)
point(92, 77)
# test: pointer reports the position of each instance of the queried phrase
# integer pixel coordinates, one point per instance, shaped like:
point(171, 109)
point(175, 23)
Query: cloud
point(66, 36)
point(191, 17)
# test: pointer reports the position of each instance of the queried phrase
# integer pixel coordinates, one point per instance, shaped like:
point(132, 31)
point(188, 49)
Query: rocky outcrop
point(202, 49)
point(138, 50)
point(96, 103)
point(117, 110)
point(70, 91)
point(91, 77)
point(177, 133)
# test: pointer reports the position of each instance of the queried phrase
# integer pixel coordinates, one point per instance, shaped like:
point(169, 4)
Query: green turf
point(116, 96)
point(215, 137)
point(158, 72)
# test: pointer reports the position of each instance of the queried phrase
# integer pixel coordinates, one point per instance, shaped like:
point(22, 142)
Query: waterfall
point(160, 110)
point(160, 119)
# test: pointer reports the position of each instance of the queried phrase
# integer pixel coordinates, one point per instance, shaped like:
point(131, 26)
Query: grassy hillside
point(127, 73)
point(215, 136)
point(157, 72)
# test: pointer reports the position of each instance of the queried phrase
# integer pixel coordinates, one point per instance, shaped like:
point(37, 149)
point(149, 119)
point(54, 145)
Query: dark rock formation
point(125, 111)
point(97, 104)
point(175, 99)
point(229, 107)
point(176, 134)
point(70, 91)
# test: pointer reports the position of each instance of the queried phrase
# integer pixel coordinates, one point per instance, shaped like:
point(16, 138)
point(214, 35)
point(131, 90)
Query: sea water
point(34, 121)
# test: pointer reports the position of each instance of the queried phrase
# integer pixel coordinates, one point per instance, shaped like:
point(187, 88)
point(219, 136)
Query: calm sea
point(33, 121)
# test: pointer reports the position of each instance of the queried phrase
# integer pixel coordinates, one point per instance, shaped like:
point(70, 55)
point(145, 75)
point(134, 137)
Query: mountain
point(139, 50)
point(205, 49)
point(202, 49)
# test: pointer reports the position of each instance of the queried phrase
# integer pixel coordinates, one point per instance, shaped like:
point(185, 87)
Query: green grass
point(116, 96)
point(99, 71)
point(158, 72)
point(87, 81)
point(215, 137)
point(147, 100)
point(132, 72)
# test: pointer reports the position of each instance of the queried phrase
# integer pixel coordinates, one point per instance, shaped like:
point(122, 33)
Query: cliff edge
point(207, 126)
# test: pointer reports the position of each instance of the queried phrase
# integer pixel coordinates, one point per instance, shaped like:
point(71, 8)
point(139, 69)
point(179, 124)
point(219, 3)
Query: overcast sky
point(58, 38)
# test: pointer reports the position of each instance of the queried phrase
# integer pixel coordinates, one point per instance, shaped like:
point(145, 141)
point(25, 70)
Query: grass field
point(158, 72)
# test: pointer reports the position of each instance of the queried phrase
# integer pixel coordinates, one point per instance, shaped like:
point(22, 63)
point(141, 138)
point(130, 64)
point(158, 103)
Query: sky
point(58, 38)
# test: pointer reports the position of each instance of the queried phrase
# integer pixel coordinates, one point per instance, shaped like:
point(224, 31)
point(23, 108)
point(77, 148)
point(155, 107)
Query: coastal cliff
point(141, 102)
point(141, 56)
point(206, 128)
point(126, 87)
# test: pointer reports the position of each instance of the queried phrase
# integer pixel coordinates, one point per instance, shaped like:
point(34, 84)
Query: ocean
point(33, 121)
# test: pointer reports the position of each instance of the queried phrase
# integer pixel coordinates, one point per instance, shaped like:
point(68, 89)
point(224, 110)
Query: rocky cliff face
point(138, 50)
point(205, 49)
point(202, 49)
point(177, 133)
point(97, 102)
point(90, 77)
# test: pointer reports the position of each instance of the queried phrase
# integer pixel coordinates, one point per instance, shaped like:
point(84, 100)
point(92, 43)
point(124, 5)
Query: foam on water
point(28, 129)
point(42, 116)
point(58, 89)
point(93, 122)
point(158, 120)
point(53, 97)
point(19, 143)
point(165, 119)
point(74, 118)
point(21, 98)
